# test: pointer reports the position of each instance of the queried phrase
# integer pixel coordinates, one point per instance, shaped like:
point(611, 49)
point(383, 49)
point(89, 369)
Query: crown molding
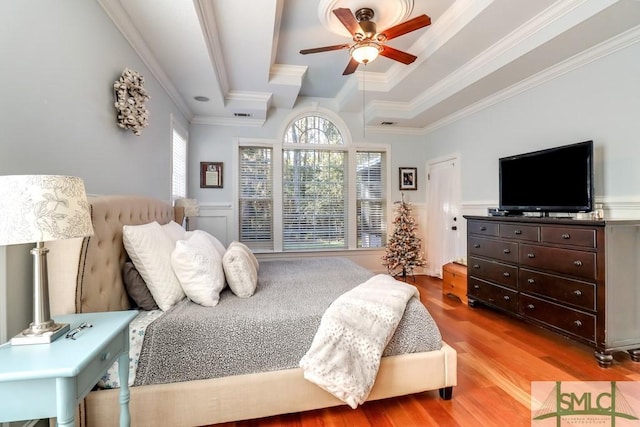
point(601, 50)
point(228, 121)
point(120, 18)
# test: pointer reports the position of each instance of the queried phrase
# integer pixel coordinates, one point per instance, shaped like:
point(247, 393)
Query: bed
point(85, 275)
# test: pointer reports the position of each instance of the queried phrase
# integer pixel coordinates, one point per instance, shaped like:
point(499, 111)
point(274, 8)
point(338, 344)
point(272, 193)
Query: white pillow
point(240, 271)
point(198, 266)
point(150, 250)
point(174, 231)
point(245, 248)
point(216, 243)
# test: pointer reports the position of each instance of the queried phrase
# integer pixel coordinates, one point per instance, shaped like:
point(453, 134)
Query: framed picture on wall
point(210, 174)
point(408, 179)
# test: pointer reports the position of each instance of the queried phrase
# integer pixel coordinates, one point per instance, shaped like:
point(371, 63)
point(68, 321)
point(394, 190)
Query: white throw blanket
point(345, 353)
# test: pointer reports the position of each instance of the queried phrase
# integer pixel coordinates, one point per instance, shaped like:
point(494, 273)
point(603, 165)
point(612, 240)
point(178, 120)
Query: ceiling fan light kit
point(368, 42)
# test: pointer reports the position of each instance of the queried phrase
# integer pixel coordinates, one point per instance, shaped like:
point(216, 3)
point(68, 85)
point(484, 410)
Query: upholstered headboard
point(85, 275)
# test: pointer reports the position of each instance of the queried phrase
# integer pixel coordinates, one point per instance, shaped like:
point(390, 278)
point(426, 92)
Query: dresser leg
point(604, 359)
point(635, 354)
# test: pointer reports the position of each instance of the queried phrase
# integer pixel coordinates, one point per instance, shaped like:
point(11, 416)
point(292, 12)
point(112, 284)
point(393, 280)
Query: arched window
point(316, 205)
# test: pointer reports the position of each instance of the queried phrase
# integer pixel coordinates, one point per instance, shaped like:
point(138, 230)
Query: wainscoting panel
point(215, 219)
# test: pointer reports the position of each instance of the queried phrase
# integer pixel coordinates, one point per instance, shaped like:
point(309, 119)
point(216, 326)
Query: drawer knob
point(531, 306)
point(531, 255)
point(106, 355)
point(506, 251)
point(566, 236)
point(476, 245)
point(577, 323)
point(577, 292)
point(518, 232)
point(506, 297)
point(506, 274)
point(531, 281)
point(577, 263)
point(476, 266)
point(476, 286)
point(483, 228)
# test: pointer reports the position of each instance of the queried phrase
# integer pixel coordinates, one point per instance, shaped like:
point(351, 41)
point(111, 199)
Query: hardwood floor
point(498, 357)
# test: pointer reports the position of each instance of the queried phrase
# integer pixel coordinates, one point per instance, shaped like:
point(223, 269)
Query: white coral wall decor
point(130, 101)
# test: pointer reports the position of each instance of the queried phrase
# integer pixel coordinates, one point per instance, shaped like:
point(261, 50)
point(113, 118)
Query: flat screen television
point(558, 179)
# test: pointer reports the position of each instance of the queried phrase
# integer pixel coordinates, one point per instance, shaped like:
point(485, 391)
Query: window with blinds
point(370, 199)
point(256, 197)
point(316, 203)
point(179, 166)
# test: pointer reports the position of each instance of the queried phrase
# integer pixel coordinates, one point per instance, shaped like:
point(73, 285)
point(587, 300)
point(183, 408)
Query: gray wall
point(599, 101)
point(59, 61)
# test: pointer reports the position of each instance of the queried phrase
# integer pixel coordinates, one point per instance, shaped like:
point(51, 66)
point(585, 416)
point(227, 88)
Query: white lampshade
point(365, 52)
point(190, 206)
point(39, 208)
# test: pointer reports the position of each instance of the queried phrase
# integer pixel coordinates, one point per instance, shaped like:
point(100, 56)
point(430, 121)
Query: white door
point(443, 210)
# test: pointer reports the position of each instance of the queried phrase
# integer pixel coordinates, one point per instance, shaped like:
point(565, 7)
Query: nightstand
point(49, 380)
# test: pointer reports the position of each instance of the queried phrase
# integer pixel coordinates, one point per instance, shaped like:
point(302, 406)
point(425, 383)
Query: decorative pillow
point(150, 250)
point(174, 231)
point(216, 243)
point(198, 266)
point(240, 271)
point(137, 288)
point(249, 252)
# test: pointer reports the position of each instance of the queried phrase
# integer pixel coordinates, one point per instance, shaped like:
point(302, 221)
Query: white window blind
point(256, 197)
point(370, 199)
point(179, 166)
point(314, 199)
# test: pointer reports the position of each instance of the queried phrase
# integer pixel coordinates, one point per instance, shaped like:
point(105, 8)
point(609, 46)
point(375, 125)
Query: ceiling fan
point(368, 43)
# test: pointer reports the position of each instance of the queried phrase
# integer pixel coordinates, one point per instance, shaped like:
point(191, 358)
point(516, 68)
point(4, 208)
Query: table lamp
point(191, 208)
point(37, 209)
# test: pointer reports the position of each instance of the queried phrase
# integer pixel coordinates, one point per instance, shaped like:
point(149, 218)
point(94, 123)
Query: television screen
point(558, 179)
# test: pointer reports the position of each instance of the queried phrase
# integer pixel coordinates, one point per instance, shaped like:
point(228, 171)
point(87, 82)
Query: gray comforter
point(270, 331)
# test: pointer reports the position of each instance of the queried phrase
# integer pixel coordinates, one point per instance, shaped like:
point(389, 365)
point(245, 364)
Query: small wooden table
point(49, 380)
point(454, 280)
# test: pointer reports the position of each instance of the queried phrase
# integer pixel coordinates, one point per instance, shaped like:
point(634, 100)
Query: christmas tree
point(403, 252)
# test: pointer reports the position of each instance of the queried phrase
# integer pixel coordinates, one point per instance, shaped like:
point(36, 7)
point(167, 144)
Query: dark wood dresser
point(580, 278)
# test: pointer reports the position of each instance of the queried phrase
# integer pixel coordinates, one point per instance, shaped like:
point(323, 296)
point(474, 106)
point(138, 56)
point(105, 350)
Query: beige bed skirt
point(196, 403)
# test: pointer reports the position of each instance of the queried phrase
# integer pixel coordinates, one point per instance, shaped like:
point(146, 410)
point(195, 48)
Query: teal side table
point(49, 380)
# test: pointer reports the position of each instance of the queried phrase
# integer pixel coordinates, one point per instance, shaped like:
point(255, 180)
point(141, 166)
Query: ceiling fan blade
point(351, 67)
point(406, 27)
point(348, 20)
point(324, 49)
point(397, 55)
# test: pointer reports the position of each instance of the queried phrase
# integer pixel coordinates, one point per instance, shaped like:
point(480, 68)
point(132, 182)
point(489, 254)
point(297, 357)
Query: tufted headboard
point(85, 275)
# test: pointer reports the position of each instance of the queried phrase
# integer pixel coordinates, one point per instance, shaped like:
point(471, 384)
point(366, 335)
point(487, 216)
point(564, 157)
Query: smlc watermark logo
point(585, 403)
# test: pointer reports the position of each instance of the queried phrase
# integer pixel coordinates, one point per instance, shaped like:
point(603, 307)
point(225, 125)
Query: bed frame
point(85, 276)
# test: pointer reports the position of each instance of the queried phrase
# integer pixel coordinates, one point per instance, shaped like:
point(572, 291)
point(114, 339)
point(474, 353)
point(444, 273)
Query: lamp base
point(28, 336)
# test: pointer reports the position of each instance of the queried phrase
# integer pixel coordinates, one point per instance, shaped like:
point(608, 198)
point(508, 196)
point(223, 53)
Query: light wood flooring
point(498, 357)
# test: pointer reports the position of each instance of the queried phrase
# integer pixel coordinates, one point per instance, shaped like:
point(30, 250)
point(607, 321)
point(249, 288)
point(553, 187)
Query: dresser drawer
point(582, 237)
point(579, 294)
point(498, 296)
point(570, 321)
point(498, 249)
point(564, 261)
point(530, 233)
point(483, 228)
point(502, 274)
